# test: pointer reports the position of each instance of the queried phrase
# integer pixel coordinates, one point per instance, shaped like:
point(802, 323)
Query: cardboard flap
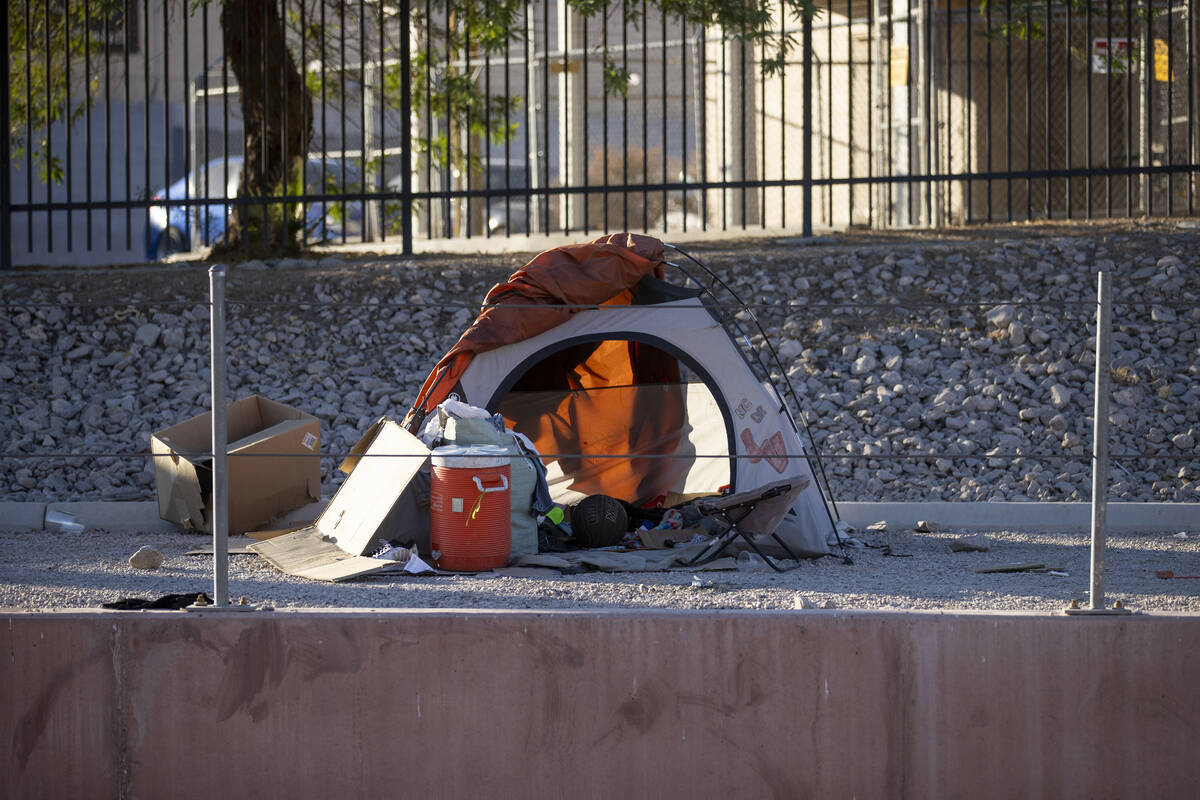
point(247, 443)
point(360, 506)
point(180, 498)
point(351, 461)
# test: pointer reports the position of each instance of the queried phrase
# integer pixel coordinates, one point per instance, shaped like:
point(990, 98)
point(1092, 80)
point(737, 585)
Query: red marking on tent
point(771, 449)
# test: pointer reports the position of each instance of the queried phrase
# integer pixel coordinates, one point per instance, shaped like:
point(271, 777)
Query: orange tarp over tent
point(593, 398)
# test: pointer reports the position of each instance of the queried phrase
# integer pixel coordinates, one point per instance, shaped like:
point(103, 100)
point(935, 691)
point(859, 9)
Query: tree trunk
point(277, 115)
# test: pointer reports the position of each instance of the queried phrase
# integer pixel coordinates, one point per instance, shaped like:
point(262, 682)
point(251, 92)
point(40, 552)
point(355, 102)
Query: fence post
point(406, 202)
point(1100, 440)
point(1100, 452)
point(5, 152)
point(220, 439)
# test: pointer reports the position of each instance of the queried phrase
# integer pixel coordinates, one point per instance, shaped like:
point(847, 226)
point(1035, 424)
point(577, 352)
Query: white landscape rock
point(146, 558)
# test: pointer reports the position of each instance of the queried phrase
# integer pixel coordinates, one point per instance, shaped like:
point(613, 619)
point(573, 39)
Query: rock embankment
point(929, 367)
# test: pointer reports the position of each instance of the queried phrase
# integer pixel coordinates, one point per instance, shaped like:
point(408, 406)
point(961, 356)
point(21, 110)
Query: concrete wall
point(608, 704)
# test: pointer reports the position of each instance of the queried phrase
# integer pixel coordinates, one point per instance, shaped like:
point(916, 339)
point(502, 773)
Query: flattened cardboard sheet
point(332, 548)
point(308, 554)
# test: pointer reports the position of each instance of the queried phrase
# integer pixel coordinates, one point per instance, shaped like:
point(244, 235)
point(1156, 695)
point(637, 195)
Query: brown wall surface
point(598, 704)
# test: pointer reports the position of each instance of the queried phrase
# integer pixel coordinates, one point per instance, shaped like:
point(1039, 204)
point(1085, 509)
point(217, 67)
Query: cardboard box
point(363, 511)
point(261, 487)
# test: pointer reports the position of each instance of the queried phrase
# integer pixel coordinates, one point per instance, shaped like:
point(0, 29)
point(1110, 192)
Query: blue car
point(177, 228)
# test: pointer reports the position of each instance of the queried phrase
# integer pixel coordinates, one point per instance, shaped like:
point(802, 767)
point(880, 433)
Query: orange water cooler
point(469, 507)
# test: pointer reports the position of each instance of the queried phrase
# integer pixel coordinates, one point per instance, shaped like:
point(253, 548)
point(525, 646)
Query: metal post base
point(1117, 610)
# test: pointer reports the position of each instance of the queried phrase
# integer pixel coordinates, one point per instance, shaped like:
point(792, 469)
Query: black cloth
point(173, 602)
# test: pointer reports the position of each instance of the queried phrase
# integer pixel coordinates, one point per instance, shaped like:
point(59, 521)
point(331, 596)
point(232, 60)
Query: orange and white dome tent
point(628, 385)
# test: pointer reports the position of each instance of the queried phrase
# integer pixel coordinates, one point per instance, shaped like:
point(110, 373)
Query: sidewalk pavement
point(1121, 517)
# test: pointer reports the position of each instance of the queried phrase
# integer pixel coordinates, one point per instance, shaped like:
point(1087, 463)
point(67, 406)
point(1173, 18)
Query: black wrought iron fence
point(138, 128)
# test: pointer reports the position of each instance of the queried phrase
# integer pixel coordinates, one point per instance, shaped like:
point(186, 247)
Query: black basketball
point(598, 521)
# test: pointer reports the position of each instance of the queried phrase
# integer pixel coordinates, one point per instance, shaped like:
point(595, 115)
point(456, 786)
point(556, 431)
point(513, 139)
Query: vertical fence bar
point(1028, 21)
point(702, 112)
point(1008, 126)
point(406, 229)
point(828, 117)
point(67, 123)
point(927, 61)
point(284, 164)
point(1108, 76)
point(1046, 105)
point(969, 112)
point(604, 123)
point(1171, 108)
point(466, 217)
point(342, 111)
point(5, 150)
point(146, 119)
point(872, 111)
point(806, 127)
point(645, 87)
point(683, 116)
point(406, 115)
point(220, 439)
point(166, 115)
point(850, 186)
point(49, 135)
point(1146, 183)
point(1087, 114)
point(1129, 106)
point(988, 114)
point(1067, 105)
point(29, 127)
point(665, 115)
point(762, 133)
point(1192, 92)
point(782, 133)
point(107, 135)
point(1100, 439)
point(362, 124)
point(546, 115)
point(486, 155)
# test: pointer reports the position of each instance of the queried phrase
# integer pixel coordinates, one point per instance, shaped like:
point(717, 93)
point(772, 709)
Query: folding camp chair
point(757, 512)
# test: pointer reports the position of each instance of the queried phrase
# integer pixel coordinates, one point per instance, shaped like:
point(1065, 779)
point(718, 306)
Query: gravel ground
point(50, 570)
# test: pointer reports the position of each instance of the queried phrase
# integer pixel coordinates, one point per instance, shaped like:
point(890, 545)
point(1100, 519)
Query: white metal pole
point(1100, 440)
point(220, 440)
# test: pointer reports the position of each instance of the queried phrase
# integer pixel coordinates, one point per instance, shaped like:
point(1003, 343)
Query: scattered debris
point(971, 544)
point(926, 526)
point(63, 522)
point(878, 527)
point(1180, 535)
point(146, 558)
point(1013, 568)
point(829, 604)
point(801, 603)
point(208, 551)
point(1167, 574)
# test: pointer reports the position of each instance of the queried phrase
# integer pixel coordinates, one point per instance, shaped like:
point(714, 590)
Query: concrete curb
point(1128, 517)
